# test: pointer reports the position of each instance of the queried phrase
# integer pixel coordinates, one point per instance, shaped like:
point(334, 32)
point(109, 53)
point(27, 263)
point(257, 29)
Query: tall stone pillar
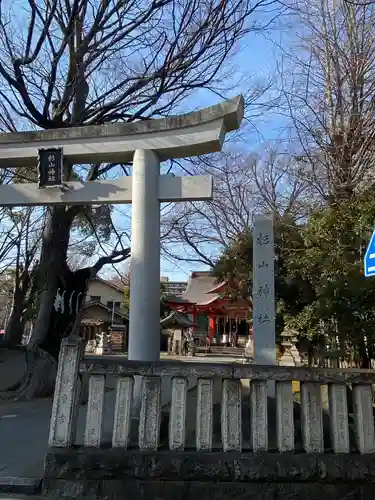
point(264, 311)
point(144, 311)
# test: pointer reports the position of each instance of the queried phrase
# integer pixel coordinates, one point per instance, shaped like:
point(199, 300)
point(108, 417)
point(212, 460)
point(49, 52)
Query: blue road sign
point(370, 257)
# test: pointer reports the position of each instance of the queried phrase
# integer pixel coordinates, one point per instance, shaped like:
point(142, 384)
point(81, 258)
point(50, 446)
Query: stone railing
point(231, 377)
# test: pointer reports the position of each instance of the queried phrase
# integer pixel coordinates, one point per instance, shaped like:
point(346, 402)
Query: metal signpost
point(369, 261)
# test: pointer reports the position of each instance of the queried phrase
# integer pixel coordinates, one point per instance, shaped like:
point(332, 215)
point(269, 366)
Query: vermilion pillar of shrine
point(211, 327)
point(195, 320)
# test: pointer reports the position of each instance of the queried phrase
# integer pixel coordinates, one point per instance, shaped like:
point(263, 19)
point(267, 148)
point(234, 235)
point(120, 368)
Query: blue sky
point(255, 62)
point(257, 59)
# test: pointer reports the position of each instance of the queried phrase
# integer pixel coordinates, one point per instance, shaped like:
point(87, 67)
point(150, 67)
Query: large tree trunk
point(15, 324)
point(42, 358)
point(52, 266)
point(43, 348)
point(60, 304)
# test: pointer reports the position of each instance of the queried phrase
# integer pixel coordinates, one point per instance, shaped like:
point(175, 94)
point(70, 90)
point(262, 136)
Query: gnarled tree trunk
point(61, 302)
point(15, 325)
point(42, 357)
point(43, 348)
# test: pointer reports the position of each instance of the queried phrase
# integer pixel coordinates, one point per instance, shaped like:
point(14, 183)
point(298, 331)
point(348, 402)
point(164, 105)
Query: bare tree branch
point(244, 185)
point(116, 257)
point(329, 89)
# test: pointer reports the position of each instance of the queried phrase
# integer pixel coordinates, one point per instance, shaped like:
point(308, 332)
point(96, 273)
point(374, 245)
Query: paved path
point(24, 429)
point(23, 437)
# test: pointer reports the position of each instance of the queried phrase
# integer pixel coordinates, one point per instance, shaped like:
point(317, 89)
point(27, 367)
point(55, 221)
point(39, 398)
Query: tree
point(320, 288)
point(244, 184)
point(126, 282)
point(65, 317)
point(343, 310)
point(93, 63)
point(292, 290)
point(329, 87)
point(20, 266)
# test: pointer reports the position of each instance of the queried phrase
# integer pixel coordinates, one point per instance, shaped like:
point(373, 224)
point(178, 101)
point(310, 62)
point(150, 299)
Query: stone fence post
point(66, 395)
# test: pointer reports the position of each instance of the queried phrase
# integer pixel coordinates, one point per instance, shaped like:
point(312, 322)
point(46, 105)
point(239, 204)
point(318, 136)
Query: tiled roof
point(117, 282)
point(176, 299)
point(176, 318)
point(97, 303)
point(114, 283)
point(199, 288)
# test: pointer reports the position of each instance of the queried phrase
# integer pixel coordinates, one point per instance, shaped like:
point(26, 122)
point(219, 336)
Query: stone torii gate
point(146, 143)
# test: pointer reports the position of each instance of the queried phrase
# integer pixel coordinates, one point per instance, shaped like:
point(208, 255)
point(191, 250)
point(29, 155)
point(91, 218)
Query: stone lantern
point(291, 356)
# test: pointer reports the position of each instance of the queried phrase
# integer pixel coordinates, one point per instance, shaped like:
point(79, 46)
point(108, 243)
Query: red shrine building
point(211, 311)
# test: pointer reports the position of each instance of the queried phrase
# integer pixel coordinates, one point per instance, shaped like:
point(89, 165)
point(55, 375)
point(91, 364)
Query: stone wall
point(118, 474)
point(320, 454)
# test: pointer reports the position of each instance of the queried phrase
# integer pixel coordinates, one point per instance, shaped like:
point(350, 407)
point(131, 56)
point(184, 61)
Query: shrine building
point(212, 312)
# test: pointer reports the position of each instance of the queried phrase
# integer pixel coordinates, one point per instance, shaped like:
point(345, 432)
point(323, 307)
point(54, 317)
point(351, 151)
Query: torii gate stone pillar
point(146, 143)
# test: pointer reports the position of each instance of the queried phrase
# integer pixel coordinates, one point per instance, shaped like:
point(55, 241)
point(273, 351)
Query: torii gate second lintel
point(104, 192)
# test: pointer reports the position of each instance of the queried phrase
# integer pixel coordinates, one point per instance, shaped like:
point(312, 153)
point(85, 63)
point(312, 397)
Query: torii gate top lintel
point(196, 133)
